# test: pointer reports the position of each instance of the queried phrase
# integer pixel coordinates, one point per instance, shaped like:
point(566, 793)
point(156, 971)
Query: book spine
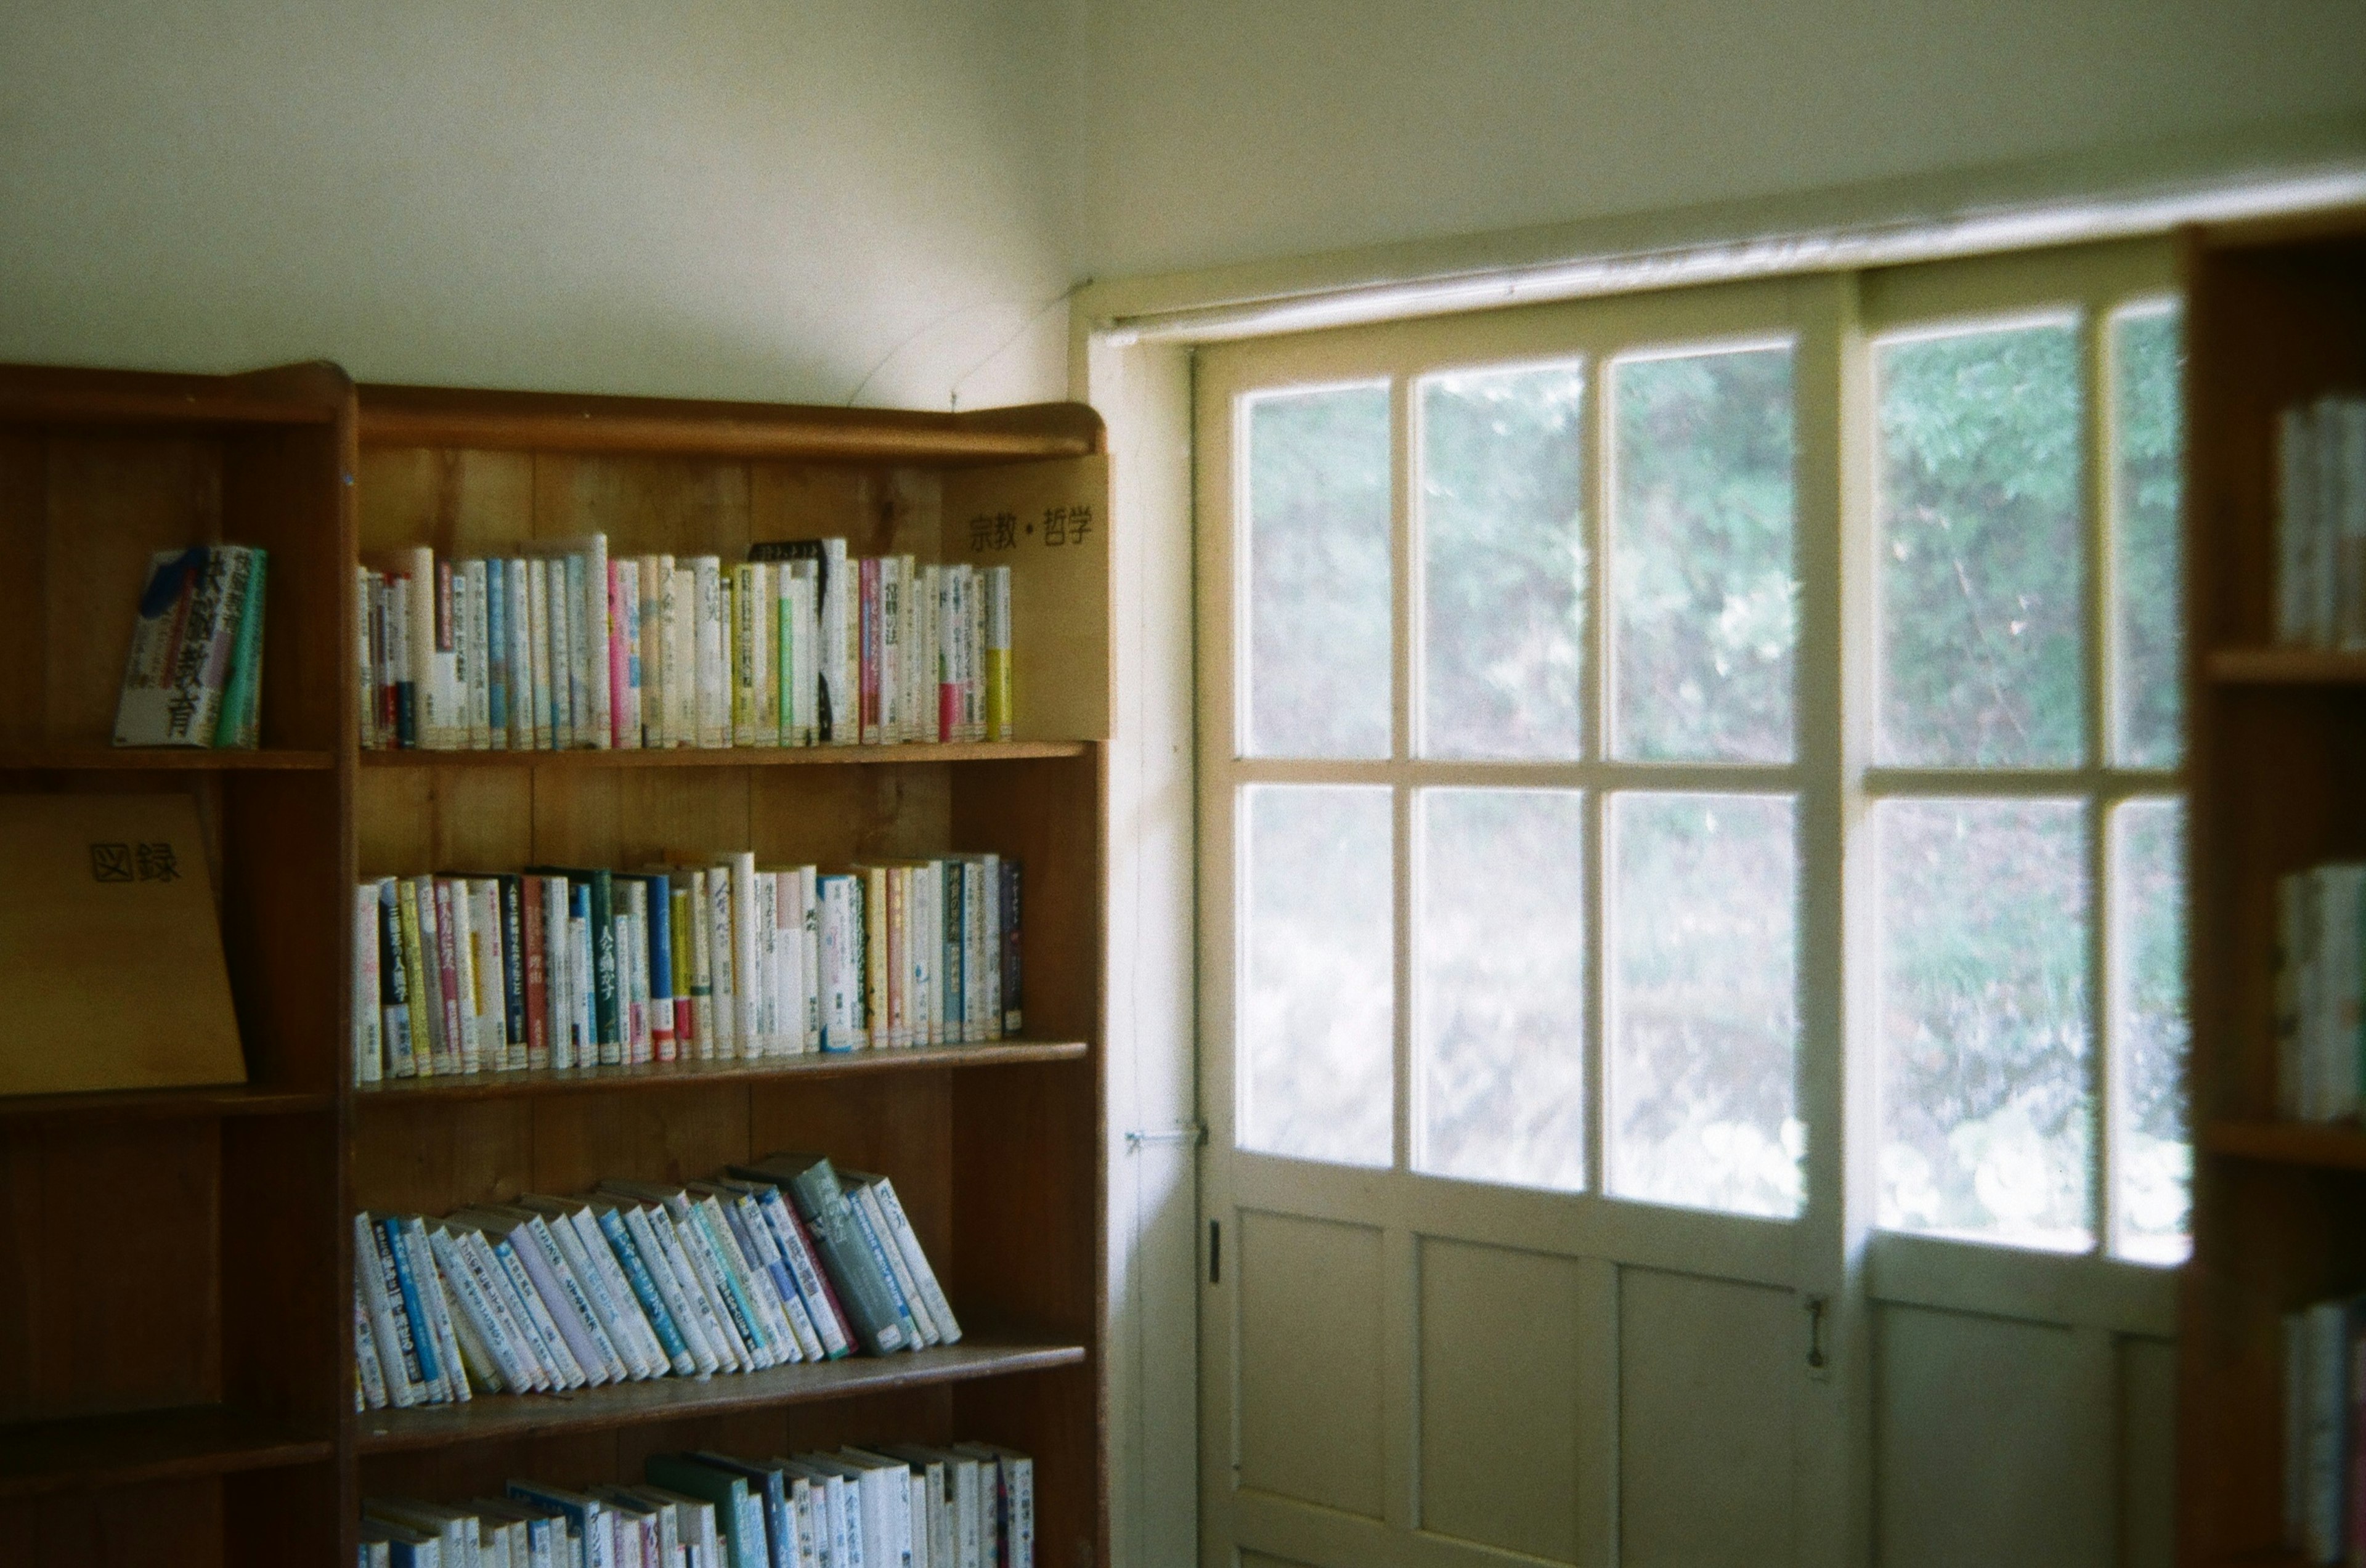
point(623, 732)
point(570, 1313)
point(394, 985)
point(549, 1344)
point(518, 620)
point(603, 695)
point(474, 1314)
point(242, 689)
point(709, 629)
point(457, 934)
point(867, 649)
point(998, 709)
point(611, 1294)
point(501, 1290)
point(719, 1013)
point(830, 1223)
point(426, 1012)
point(496, 650)
point(741, 906)
point(1013, 1012)
point(606, 1017)
point(653, 1304)
point(889, 643)
point(915, 1260)
point(382, 1295)
point(699, 1289)
point(786, 624)
point(414, 1308)
point(870, 1226)
point(742, 628)
point(366, 1358)
point(369, 1019)
point(541, 638)
point(650, 643)
point(413, 1238)
point(652, 1234)
point(956, 963)
point(721, 1256)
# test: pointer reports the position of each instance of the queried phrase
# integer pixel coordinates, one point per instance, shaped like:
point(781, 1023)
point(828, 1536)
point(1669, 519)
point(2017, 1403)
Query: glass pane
point(1504, 557)
point(1705, 612)
point(1503, 985)
point(1318, 999)
point(1982, 573)
point(2155, 1153)
point(1984, 1020)
point(1319, 586)
point(1704, 1027)
point(2144, 368)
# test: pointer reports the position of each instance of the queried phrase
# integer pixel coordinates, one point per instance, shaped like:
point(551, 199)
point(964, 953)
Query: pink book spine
point(448, 955)
point(619, 680)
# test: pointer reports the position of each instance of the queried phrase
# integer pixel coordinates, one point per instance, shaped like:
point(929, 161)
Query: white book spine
point(476, 633)
point(627, 632)
point(723, 954)
point(691, 1312)
point(369, 1050)
point(429, 1284)
point(596, 608)
point(916, 1261)
point(707, 629)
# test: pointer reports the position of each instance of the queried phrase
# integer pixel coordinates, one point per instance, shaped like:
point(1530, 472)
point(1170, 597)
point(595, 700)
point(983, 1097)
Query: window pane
point(1706, 611)
point(2144, 367)
point(1319, 584)
point(1503, 985)
point(1318, 1006)
point(1503, 558)
point(2154, 1153)
point(1984, 1020)
point(1705, 1026)
point(1982, 573)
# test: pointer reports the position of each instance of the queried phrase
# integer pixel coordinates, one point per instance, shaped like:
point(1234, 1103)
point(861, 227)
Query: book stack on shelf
point(2324, 1430)
point(584, 967)
point(2321, 524)
point(2275, 575)
point(561, 647)
point(965, 1505)
point(195, 677)
point(225, 1430)
point(2320, 1022)
point(783, 1261)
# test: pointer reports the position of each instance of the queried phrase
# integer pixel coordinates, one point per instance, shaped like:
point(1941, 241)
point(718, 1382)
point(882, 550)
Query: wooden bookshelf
point(224, 1432)
point(2276, 314)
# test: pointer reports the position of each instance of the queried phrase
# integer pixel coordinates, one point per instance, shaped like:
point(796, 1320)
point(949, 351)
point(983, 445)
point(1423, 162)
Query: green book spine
point(239, 725)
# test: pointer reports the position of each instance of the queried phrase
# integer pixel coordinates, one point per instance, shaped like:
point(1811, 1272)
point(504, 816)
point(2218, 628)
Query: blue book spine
point(878, 1244)
point(420, 1333)
point(645, 1289)
point(662, 947)
point(497, 634)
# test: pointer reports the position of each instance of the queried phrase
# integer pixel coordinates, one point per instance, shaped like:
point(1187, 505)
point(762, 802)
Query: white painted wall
point(761, 199)
point(1235, 130)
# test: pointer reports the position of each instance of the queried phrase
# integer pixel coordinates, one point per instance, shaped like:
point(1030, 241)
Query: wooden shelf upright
point(2275, 316)
point(224, 1432)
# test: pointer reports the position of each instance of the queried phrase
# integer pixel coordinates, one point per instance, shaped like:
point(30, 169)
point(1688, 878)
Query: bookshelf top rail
point(73, 397)
point(434, 416)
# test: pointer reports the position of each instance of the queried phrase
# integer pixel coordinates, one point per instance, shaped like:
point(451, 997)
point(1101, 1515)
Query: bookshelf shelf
point(2285, 667)
point(166, 1104)
point(134, 759)
point(133, 1446)
point(667, 1399)
point(735, 757)
point(2334, 1146)
point(675, 1075)
point(2275, 315)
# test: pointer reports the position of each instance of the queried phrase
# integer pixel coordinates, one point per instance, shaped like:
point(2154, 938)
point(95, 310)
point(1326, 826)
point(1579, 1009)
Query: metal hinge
point(1192, 1133)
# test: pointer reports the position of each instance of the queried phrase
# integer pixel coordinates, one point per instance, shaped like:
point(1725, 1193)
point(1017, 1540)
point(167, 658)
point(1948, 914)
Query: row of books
point(557, 645)
point(2320, 996)
point(890, 1506)
point(2321, 524)
point(783, 1261)
point(195, 673)
point(2324, 1430)
point(560, 966)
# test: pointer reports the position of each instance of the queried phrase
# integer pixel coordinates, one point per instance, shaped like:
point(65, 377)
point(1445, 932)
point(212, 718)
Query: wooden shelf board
point(2284, 667)
point(433, 416)
point(666, 1399)
point(663, 1075)
point(735, 756)
point(2327, 1146)
point(152, 759)
point(178, 1444)
point(166, 1104)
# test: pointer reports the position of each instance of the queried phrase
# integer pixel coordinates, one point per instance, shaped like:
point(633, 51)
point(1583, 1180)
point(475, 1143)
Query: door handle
point(1816, 1305)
